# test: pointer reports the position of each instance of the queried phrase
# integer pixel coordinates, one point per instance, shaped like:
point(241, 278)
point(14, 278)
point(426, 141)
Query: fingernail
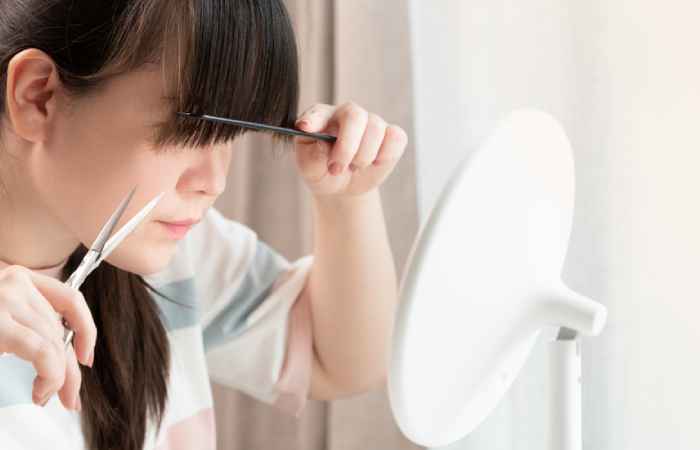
point(45, 399)
point(336, 168)
point(76, 402)
point(91, 358)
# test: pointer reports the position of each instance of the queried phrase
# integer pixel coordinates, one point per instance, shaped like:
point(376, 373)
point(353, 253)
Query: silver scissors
point(103, 246)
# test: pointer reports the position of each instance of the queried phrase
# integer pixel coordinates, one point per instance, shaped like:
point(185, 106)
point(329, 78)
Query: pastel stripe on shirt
point(230, 306)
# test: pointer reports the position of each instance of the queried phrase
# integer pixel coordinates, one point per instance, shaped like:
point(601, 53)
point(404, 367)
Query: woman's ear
point(31, 93)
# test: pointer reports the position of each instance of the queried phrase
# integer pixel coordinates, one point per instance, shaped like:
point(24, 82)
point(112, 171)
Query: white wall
point(623, 77)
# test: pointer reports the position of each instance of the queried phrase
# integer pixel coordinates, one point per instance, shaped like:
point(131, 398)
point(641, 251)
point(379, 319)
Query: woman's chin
point(147, 258)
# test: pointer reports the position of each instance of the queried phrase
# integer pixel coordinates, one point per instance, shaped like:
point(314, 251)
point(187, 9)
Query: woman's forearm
point(353, 290)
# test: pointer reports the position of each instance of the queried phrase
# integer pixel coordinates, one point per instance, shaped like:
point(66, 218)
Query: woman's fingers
point(47, 356)
point(71, 304)
point(49, 380)
point(351, 120)
point(42, 307)
point(371, 143)
point(28, 316)
point(363, 138)
point(394, 144)
point(70, 392)
point(31, 306)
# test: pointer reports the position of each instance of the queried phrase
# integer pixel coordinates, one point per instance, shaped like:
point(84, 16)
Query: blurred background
point(622, 76)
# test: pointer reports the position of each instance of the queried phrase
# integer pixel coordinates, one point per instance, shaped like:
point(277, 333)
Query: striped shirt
point(236, 321)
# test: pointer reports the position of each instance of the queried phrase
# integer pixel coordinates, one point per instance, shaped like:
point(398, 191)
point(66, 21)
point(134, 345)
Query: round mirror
point(482, 280)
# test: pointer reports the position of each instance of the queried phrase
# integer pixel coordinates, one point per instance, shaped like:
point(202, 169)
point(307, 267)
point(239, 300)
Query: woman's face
point(100, 148)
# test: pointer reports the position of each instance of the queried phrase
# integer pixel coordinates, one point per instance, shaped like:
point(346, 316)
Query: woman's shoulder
point(214, 241)
point(204, 264)
point(216, 227)
point(215, 246)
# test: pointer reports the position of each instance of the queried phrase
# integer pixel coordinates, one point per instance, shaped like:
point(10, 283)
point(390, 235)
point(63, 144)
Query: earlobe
point(32, 85)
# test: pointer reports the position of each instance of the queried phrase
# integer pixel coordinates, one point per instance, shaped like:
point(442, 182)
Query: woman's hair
point(231, 58)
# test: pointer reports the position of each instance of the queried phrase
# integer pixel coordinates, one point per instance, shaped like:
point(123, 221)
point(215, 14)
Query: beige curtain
point(357, 51)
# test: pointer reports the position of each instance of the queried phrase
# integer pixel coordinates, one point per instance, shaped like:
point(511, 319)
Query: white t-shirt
point(236, 321)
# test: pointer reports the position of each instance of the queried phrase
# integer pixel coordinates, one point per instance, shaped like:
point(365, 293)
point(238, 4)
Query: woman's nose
point(206, 172)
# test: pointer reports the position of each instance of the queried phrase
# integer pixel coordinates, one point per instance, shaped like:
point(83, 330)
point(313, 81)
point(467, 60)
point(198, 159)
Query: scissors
point(103, 246)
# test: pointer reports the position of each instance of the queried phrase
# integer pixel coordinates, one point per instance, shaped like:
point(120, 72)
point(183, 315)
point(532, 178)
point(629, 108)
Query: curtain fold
point(356, 51)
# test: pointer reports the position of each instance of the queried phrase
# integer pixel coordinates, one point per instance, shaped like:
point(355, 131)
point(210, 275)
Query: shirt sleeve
point(256, 328)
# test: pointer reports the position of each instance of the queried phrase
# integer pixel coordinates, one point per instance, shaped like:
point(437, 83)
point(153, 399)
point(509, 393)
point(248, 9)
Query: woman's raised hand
point(31, 307)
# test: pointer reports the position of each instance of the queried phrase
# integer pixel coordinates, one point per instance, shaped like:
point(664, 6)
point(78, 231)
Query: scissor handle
point(75, 281)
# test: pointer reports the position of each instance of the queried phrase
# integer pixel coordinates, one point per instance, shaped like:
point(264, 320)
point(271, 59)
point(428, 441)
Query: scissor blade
point(107, 229)
point(115, 240)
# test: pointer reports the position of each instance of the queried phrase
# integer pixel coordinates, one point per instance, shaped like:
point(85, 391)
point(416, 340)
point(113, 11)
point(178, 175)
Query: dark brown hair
point(232, 58)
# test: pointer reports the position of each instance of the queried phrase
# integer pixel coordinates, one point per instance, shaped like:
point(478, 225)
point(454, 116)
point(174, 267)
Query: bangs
point(234, 59)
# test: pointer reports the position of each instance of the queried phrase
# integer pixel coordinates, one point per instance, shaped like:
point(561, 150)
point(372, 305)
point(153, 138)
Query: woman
point(90, 92)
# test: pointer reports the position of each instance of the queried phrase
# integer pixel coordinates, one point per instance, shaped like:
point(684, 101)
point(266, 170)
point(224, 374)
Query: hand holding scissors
point(31, 303)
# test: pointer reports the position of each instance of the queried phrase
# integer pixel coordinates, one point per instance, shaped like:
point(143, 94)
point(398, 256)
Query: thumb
point(312, 159)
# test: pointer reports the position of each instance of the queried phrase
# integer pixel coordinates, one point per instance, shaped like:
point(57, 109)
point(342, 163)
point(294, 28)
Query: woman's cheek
point(149, 248)
point(156, 172)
